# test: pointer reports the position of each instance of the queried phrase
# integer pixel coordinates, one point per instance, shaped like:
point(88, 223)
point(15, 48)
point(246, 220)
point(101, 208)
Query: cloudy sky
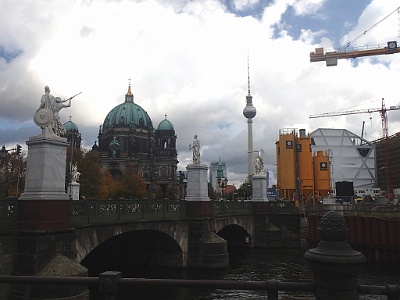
point(188, 59)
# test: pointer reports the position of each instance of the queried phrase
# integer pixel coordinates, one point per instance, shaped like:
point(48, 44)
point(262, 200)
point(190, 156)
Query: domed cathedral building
point(72, 133)
point(127, 138)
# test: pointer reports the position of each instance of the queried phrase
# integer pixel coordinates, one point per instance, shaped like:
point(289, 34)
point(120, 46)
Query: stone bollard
point(334, 263)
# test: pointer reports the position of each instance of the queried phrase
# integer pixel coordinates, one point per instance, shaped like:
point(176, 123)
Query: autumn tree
point(170, 193)
point(91, 175)
point(12, 175)
point(131, 185)
point(108, 186)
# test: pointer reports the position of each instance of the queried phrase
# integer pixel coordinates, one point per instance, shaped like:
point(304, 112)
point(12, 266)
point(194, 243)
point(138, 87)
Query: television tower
point(249, 112)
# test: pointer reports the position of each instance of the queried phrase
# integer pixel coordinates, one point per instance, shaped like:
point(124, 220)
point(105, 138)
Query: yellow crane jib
point(331, 57)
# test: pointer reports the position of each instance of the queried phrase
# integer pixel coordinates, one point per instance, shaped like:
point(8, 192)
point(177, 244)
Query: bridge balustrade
point(125, 210)
point(225, 208)
point(112, 211)
point(282, 207)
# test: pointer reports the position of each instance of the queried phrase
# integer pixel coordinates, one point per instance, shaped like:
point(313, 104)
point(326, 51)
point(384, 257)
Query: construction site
point(309, 166)
point(312, 166)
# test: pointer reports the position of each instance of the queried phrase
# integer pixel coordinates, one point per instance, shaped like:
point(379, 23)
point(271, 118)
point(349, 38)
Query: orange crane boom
point(331, 57)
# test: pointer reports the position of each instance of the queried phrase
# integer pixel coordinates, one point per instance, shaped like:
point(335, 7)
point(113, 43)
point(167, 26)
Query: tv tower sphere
point(249, 111)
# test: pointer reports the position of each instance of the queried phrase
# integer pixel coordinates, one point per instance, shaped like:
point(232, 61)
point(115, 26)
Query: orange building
point(299, 174)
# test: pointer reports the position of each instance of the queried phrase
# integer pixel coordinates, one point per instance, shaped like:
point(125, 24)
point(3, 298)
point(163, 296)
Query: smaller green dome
point(70, 126)
point(165, 125)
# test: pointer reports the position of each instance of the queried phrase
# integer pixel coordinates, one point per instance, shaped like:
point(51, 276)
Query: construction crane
point(383, 112)
point(331, 57)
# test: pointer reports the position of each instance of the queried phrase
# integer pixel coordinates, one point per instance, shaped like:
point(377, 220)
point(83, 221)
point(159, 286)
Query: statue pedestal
point(46, 166)
point(259, 188)
point(44, 203)
point(73, 190)
point(198, 204)
point(197, 184)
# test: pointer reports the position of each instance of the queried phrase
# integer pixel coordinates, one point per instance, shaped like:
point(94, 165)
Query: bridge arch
point(162, 243)
point(237, 230)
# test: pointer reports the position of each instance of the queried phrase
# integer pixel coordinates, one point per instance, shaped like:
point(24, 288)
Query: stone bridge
point(102, 234)
point(113, 235)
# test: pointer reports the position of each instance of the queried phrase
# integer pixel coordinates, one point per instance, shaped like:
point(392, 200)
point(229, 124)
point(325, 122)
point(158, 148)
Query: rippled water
point(259, 264)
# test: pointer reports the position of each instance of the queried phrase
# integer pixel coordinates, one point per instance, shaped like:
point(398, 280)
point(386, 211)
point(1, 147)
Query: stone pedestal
point(44, 203)
point(198, 204)
point(259, 188)
point(197, 184)
point(259, 200)
point(46, 165)
point(206, 249)
point(73, 190)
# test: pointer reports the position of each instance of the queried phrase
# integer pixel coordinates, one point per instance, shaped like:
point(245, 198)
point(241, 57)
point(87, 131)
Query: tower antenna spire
point(248, 74)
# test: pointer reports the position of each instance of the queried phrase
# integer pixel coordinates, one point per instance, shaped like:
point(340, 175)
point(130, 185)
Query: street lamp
point(222, 181)
point(3, 157)
point(3, 152)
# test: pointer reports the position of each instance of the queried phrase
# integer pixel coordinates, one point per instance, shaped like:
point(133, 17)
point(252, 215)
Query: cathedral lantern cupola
point(129, 95)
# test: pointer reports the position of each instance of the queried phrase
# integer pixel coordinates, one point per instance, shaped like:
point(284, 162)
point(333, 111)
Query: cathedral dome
point(128, 114)
point(165, 125)
point(70, 126)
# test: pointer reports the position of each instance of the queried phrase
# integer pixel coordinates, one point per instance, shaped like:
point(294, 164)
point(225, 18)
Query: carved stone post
point(334, 263)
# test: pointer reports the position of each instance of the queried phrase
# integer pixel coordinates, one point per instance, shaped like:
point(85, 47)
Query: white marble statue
point(47, 116)
point(259, 165)
point(75, 174)
point(195, 147)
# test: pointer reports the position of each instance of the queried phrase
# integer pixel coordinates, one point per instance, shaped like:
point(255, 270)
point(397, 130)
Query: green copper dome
point(165, 125)
point(70, 126)
point(128, 114)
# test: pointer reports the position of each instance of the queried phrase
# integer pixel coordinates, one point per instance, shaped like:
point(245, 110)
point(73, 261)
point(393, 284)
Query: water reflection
point(254, 264)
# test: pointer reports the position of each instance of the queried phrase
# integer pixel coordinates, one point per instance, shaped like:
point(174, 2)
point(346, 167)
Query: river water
point(254, 265)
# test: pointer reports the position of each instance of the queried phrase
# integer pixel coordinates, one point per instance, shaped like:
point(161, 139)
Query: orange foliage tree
point(131, 185)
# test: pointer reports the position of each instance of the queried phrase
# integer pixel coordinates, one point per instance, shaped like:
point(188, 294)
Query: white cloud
point(244, 4)
point(306, 7)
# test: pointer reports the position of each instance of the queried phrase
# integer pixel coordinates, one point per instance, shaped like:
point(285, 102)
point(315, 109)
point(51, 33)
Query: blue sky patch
point(9, 55)
point(224, 125)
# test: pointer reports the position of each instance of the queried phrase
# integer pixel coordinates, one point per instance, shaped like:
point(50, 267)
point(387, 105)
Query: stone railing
point(225, 208)
point(112, 211)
